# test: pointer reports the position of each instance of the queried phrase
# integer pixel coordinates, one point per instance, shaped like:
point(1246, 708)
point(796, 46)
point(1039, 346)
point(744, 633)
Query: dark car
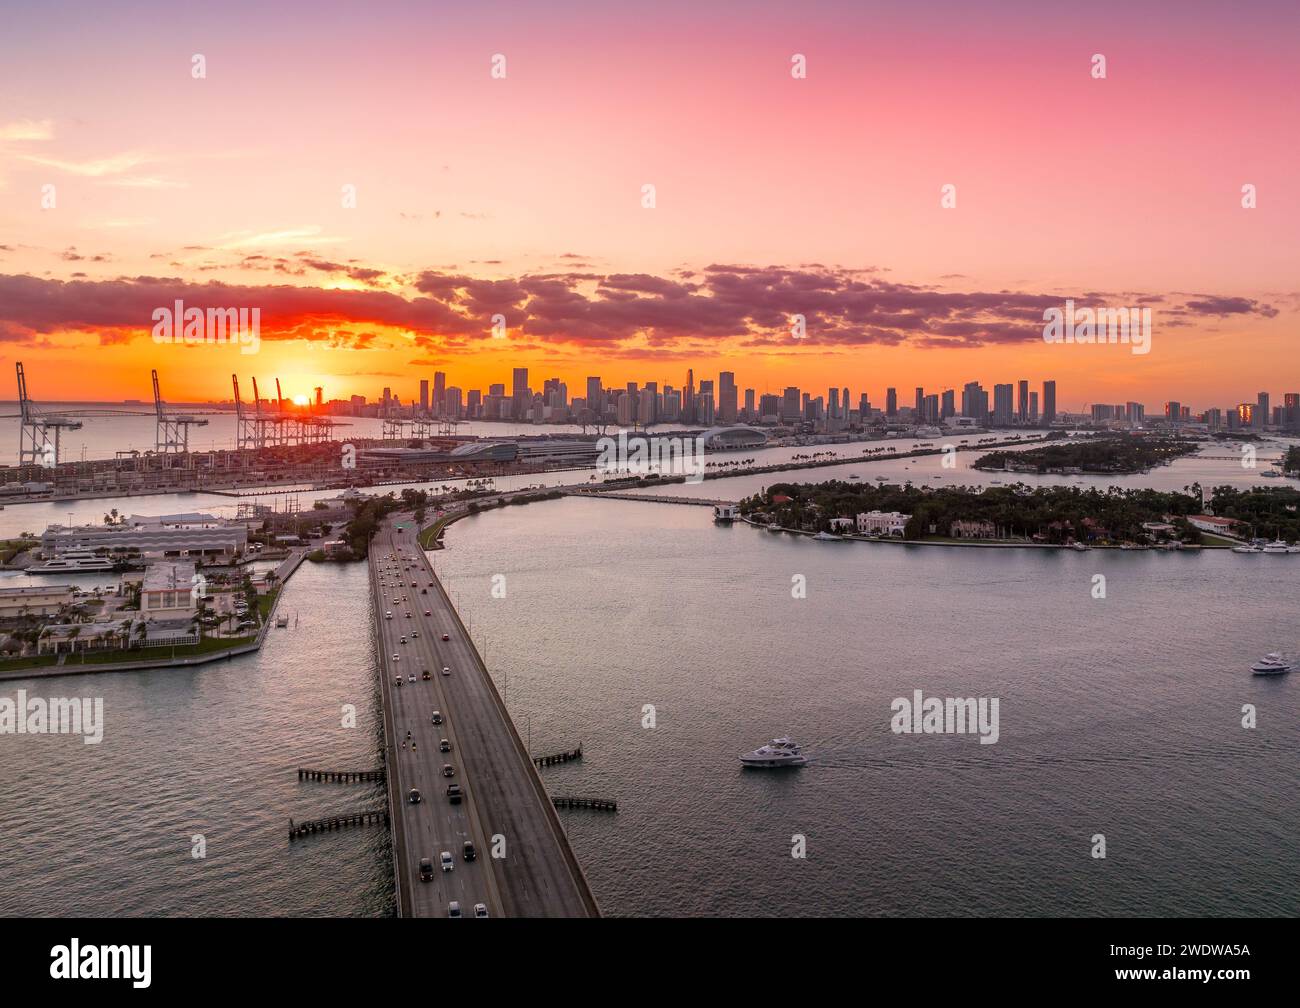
point(446, 637)
point(468, 850)
point(426, 869)
point(413, 796)
point(426, 675)
point(437, 717)
point(444, 745)
point(454, 793)
point(448, 770)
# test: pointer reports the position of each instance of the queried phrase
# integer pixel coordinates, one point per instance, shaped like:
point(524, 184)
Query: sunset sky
point(773, 195)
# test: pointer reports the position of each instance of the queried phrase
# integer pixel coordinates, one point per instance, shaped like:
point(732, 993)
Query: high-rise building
point(727, 407)
point(949, 404)
point(790, 406)
point(1022, 412)
point(891, 402)
point(1262, 411)
point(1033, 407)
point(975, 402)
point(1049, 402)
point(1003, 404)
point(424, 396)
point(919, 404)
point(439, 391)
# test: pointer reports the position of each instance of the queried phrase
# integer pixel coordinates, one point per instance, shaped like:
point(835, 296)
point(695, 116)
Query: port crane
point(173, 430)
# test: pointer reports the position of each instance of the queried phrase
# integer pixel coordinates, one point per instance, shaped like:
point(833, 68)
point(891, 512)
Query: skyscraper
point(1022, 413)
point(1003, 404)
point(424, 396)
point(1049, 402)
point(891, 402)
point(727, 406)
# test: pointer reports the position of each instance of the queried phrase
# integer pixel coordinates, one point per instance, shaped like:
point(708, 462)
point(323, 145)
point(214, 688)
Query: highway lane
point(434, 824)
point(539, 876)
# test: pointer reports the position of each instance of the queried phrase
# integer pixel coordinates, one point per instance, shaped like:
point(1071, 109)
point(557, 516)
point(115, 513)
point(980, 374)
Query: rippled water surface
point(1119, 716)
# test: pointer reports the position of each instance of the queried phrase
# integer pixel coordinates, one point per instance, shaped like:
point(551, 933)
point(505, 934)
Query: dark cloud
point(615, 313)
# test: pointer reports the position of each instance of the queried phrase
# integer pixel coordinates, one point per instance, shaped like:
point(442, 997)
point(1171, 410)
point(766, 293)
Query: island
point(1020, 515)
point(1102, 453)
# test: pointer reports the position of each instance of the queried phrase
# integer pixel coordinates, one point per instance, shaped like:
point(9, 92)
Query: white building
point(893, 523)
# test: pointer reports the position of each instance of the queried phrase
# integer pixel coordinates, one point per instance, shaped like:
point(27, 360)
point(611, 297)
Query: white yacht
point(782, 752)
point(827, 537)
point(1277, 546)
point(1271, 664)
point(72, 562)
point(1248, 548)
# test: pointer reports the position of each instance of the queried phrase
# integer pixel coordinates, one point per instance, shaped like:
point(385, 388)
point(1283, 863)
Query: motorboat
point(827, 537)
point(1276, 546)
point(781, 752)
point(1248, 548)
point(1271, 664)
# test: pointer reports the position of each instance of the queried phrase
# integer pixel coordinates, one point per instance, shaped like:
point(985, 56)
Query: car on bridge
point(448, 862)
point(453, 909)
point(446, 670)
point(426, 869)
point(448, 770)
point(425, 675)
point(480, 910)
point(467, 849)
point(437, 717)
point(413, 796)
point(445, 637)
point(444, 745)
point(454, 794)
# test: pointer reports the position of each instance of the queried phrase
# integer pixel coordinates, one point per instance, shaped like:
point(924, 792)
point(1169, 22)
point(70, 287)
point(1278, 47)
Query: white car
point(448, 863)
point(480, 910)
point(446, 670)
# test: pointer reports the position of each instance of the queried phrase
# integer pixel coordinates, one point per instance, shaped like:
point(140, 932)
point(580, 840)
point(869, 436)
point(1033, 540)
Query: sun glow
point(300, 400)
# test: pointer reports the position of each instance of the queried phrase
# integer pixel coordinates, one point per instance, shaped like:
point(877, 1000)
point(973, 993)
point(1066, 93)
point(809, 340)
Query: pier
point(338, 822)
point(599, 804)
point(564, 757)
point(341, 776)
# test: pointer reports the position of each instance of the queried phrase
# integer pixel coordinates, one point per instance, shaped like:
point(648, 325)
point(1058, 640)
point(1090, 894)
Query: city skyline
point(422, 244)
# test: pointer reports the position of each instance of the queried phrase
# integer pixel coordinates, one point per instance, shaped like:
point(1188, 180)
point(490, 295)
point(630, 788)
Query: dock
point(564, 757)
point(599, 804)
point(338, 822)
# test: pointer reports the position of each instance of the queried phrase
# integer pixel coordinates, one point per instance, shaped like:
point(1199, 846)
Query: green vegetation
point(10, 548)
point(1291, 461)
point(1055, 515)
point(1266, 511)
point(1104, 453)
